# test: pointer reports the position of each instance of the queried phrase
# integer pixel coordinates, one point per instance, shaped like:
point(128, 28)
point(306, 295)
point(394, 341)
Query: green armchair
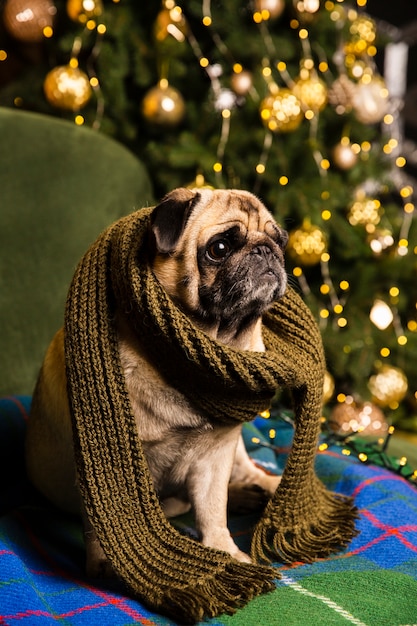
point(60, 186)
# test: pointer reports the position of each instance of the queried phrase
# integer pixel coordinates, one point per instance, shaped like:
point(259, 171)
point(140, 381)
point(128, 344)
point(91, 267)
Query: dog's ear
point(170, 217)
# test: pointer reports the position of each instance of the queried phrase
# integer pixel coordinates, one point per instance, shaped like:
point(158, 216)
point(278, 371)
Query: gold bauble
point(67, 88)
point(170, 22)
point(84, 10)
point(163, 105)
point(241, 82)
point(362, 35)
point(388, 386)
point(364, 211)
point(281, 112)
point(312, 92)
point(364, 417)
point(328, 387)
point(26, 20)
point(275, 8)
point(340, 94)
point(307, 243)
point(370, 100)
point(344, 156)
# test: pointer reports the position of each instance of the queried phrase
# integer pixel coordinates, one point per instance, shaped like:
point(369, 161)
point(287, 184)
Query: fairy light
point(381, 314)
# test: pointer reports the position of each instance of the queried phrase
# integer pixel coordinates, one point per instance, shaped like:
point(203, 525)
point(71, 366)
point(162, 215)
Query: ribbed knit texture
point(173, 574)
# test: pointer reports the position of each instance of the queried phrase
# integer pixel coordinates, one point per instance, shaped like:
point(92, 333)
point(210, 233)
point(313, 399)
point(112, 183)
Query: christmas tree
point(284, 98)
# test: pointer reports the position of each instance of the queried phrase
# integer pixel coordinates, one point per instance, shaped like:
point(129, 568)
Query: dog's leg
point(250, 487)
point(208, 491)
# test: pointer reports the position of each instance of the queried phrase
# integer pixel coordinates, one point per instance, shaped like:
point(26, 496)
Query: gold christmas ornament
point(328, 387)
point(370, 100)
point(341, 93)
point(380, 240)
point(241, 82)
point(312, 92)
point(351, 417)
point(170, 22)
point(307, 243)
point(67, 88)
point(84, 10)
point(388, 386)
point(275, 8)
point(364, 211)
point(362, 35)
point(27, 20)
point(343, 155)
point(281, 112)
point(163, 105)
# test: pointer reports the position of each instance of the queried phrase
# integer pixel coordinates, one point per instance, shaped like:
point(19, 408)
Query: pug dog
point(219, 254)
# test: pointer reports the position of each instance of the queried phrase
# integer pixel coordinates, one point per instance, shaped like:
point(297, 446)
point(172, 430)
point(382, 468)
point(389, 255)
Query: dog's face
point(219, 254)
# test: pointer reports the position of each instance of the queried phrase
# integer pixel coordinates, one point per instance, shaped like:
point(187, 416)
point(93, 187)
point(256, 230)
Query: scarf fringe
point(226, 592)
point(312, 538)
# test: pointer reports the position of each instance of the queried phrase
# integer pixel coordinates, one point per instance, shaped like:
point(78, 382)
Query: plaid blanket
point(372, 583)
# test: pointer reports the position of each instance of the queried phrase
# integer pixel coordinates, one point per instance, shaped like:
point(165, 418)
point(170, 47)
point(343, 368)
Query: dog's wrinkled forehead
point(222, 208)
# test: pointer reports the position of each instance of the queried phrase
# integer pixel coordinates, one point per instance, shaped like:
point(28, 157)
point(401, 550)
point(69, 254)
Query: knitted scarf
point(171, 573)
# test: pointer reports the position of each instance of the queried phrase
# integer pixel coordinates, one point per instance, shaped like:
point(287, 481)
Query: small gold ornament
point(275, 8)
point(380, 240)
point(170, 22)
point(328, 387)
point(84, 10)
point(343, 155)
point(362, 35)
point(27, 20)
point(67, 88)
point(241, 82)
point(281, 111)
point(312, 92)
point(388, 386)
point(307, 243)
point(364, 211)
point(163, 105)
point(341, 93)
point(351, 417)
point(370, 101)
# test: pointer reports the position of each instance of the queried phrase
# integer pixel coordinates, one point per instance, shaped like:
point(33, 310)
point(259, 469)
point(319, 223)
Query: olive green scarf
point(171, 573)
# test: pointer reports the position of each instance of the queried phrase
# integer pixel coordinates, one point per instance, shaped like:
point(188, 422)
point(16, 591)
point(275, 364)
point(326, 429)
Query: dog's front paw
point(245, 498)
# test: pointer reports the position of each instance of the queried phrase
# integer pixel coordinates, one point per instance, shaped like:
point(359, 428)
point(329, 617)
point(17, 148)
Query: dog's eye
point(218, 250)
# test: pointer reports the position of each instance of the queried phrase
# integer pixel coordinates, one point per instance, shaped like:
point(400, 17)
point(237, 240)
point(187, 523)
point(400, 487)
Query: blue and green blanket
point(372, 583)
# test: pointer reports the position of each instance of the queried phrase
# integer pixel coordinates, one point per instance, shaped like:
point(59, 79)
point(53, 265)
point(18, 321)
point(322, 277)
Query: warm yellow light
point(324, 314)
point(325, 164)
point(409, 207)
point(217, 167)
point(204, 62)
point(325, 257)
point(207, 20)
point(237, 68)
point(260, 168)
point(342, 322)
point(400, 161)
point(281, 66)
point(48, 32)
point(326, 215)
point(79, 120)
point(381, 314)
point(325, 195)
point(324, 289)
point(303, 34)
point(394, 292)
point(226, 114)
point(338, 309)
point(3, 55)
point(341, 397)
point(402, 340)
point(384, 352)
point(94, 82)
point(283, 180)
point(344, 285)
point(297, 271)
point(101, 29)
